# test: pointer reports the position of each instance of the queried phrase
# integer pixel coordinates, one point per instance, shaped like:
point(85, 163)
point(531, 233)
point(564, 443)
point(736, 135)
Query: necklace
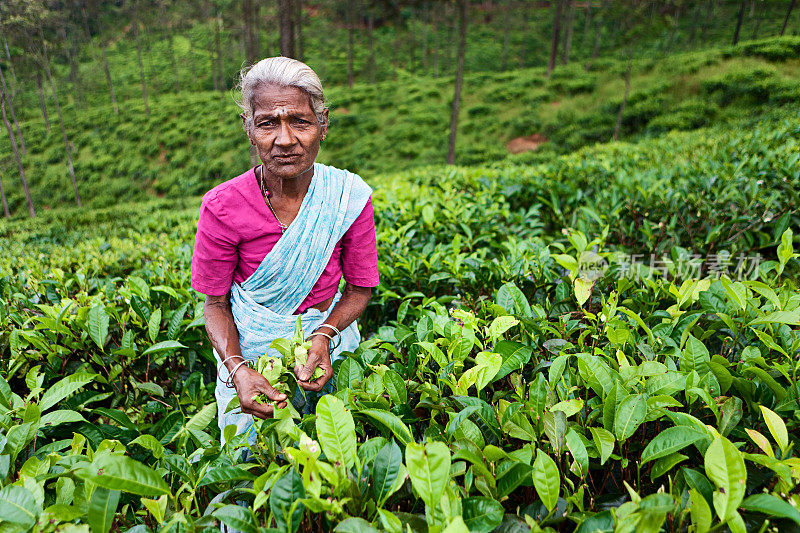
point(265, 193)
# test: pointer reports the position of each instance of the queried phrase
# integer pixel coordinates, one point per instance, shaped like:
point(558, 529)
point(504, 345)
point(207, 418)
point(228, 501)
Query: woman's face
point(285, 130)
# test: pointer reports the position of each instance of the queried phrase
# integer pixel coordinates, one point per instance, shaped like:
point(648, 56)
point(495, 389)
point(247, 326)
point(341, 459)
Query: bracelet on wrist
point(336, 331)
point(225, 361)
point(229, 381)
point(323, 334)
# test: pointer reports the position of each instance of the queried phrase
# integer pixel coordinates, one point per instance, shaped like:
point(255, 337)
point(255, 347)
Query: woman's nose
point(285, 136)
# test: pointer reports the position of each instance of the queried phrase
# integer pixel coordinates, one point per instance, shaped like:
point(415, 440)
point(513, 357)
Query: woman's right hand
point(249, 383)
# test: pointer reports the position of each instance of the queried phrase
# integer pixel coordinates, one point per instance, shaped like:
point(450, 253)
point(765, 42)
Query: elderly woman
point(274, 243)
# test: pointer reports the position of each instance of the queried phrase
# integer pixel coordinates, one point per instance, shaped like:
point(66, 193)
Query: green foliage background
point(521, 369)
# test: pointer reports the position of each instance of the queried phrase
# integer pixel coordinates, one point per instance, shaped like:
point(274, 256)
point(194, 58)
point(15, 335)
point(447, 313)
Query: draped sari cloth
point(264, 303)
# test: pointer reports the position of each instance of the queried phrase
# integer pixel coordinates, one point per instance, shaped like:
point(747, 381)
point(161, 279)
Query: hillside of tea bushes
point(193, 140)
point(520, 369)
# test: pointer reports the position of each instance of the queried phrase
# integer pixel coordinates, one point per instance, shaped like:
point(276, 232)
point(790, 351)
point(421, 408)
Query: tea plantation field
point(600, 341)
point(191, 141)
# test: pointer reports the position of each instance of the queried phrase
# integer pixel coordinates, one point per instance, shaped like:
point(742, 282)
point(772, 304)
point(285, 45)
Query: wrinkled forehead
point(280, 100)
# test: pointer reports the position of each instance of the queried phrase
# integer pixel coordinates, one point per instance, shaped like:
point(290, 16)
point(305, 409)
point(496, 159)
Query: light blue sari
point(263, 304)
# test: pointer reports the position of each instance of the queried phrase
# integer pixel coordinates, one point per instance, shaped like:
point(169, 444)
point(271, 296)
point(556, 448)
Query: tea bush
point(519, 369)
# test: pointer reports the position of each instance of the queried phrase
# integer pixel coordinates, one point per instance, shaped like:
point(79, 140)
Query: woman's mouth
point(286, 157)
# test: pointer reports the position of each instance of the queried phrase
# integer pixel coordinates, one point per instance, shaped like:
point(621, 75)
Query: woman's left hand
point(318, 356)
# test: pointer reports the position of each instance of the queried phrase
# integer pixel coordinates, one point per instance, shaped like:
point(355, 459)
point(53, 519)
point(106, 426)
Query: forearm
point(221, 330)
point(353, 302)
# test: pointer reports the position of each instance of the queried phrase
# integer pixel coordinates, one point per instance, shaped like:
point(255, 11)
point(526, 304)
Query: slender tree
point(10, 62)
point(219, 76)
point(351, 31)
point(587, 21)
point(67, 147)
point(371, 39)
point(759, 18)
point(711, 8)
point(139, 55)
point(551, 64)
point(693, 27)
point(250, 13)
point(298, 26)
point(286, 24)
point(739, 19)
point(74, 73)
point(13, 114)
point(22, 177)
point(462, 47)
point(101, 40)
point(506, 21)
point(42, 104)
point(523, 19)
point(3, 198)
point(569, 23)
point(170, 45)
point(435, 16)
point(788, 14)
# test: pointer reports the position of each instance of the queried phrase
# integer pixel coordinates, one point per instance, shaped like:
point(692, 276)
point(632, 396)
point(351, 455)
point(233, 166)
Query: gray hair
point(283, 71)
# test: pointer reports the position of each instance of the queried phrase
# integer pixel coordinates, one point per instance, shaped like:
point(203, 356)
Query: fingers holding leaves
point(318, 374)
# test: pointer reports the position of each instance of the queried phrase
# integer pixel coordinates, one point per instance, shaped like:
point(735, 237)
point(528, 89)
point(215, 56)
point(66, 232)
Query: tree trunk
point(31, 211)
point(63, 130)
point(570, 20)
point(10, 63)
point(710, 9)
point(3, 198)
point(351, 30)
point(108, 79)
point(462, 46)
point(370, 29)
point(251, 24)
point(672, 39)
point(524, 32)
point(598, 32)
point(506, 36)
point(411, 47)
point(74, 74)
point(171, 49)
point(191, 56)
point(451, 38)
point(739, 19)
point(139, 55)
point(219, 76)
point(759, 16)
point(551, 64)
point(435, 40)
point(298, 26)
point(41, 100)
point(13, 115)
point(618, 125)
point(693, 27)
point(788, 14)
point(286, 28)
point(587, 24)
point(424, 19)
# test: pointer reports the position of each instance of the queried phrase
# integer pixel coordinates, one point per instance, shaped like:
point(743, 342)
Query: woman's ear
point(246, 126)
point(324, 123)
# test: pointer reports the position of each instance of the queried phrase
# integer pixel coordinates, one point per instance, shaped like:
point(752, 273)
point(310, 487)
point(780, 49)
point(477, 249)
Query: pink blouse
point(236, 230)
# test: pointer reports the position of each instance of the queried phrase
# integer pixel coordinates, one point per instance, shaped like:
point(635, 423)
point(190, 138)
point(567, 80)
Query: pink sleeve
point(215, 254)
point(360, 251)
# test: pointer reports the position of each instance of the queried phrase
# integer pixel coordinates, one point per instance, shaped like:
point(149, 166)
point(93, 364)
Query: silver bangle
point(330, 339)
point(334, 328)
point(224, 361)
point(229, 381)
